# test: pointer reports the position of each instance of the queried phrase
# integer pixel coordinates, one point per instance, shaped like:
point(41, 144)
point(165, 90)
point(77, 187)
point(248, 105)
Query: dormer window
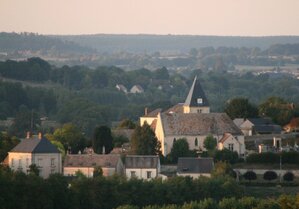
point(199, 101)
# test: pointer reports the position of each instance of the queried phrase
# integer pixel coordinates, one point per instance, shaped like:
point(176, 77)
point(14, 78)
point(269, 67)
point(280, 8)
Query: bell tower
point(196, 101)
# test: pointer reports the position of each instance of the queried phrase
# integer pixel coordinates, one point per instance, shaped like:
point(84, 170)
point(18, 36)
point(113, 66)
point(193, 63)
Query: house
point(191, 120)
point(38, 151)
point(195, 167)
point(121, 88)
point(136, 89)
point(230, 142)
point(142, 166)
point(257, 126)
point(110, 164)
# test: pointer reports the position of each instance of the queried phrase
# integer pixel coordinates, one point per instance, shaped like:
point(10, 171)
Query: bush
point(289, 176)
point(266, 157)
point(250, 175)
point(226, 155)
point(270, 175)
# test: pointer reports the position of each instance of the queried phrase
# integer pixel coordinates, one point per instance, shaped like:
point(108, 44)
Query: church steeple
point(196, 101)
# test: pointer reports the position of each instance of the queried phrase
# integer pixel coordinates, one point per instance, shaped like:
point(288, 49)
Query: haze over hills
point(179, 43)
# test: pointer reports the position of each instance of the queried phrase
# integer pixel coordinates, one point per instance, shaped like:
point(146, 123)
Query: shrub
point(250, 175)
point(270, 175)
point(289, 176)
point(266, 157)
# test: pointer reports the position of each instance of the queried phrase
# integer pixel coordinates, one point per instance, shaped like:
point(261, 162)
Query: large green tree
point(144, 141)
point(240, 108)
point(180, 148)
point(71, 137)
point(102, 139)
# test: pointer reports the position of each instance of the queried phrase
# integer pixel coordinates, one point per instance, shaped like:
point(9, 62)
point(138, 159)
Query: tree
point(180, 148)
point(144, 141)
point(270, 175)
point(102, 139)
point(222, 169)
point(33, 170)
point(127, 124)
point(289, 176)
point(250, 175)
point(277, 109)
point(210, 143)
point(71, 138)
point(6, 144)
point(226, 155)
point(240, 108)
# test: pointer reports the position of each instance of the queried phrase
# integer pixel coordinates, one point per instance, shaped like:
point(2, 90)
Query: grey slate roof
point(198, 124)
point(35, 145)
point(142, 161)
point(92, 160)
point(265, 125)
point(195, 93)
point(195, 165)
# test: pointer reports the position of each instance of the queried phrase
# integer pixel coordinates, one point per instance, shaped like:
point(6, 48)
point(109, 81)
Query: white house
point(232, 143)
point(136, 89)
point(38, 151)
point(110, 164)
point(142, 166)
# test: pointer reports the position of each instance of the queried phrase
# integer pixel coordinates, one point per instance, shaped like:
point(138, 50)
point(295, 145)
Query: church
point(193, 121)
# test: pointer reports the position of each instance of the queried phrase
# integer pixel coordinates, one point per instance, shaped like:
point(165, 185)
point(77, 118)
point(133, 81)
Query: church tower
point(196, 101)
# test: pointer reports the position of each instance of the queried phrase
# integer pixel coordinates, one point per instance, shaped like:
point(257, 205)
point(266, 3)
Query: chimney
point(103, 150)
point(28, 135)
point(40, 135)
point(145, 111)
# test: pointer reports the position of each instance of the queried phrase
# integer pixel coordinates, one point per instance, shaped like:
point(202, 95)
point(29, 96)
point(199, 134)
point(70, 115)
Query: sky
point(191, 17)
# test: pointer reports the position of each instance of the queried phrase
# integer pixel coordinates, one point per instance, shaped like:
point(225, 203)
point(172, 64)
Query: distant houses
point(136, 89)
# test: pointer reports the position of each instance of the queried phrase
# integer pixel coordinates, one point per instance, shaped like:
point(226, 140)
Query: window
point(39, 162)
point(199, 100)
point(148, 174)
point(196, 142)
point(231, 147)
point(20, 163)
point(174, 140)
point(52, 162)
point(12, 162)
point(133, 174)
point(27, 162)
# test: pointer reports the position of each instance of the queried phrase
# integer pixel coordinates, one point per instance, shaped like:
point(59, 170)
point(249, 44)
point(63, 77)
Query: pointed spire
point(196, 96)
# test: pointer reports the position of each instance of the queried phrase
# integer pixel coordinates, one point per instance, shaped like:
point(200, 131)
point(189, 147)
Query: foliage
point(180, 148)
point(288, 176)
point(270, 175)
point(226, 155)
point(250, 175)
point(33, 170)
point(71, 138)
point(97, 171)
point(129, 124)
point(102, 139)
point(222, 169)
point(240, 108)
point(6, 144)
point(265, 157)
point(210, 143)
point(144, 141)
point(118, 141)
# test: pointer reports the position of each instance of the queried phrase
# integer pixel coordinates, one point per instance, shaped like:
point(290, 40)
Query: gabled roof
point(196, 93)
point(142, 161)
point(226, 136)
point(195, 165)
point(35, 145)
point(92, 160)
point(195, 124)
point(264, 125)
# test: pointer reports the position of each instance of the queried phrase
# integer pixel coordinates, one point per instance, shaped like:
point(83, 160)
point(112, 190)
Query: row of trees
point(278, 109)
point(268, 175)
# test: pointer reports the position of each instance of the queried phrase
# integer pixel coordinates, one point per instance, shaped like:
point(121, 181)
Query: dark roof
point(195, 93)
point(265, 125)
point(198, 124)
point(261, 121)
point(91, 160)
point(195, 165)
point(142, 161)
point(35, 145)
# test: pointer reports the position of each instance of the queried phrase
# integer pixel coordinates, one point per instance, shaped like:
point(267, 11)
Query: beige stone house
point(142, 166)
point(195, 167)
point(232, 143)
point(110, 164)
point(193, 121)
point(35, 150)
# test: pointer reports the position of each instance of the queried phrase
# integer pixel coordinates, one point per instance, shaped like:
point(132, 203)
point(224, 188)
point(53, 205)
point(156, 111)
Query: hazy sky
point(197, 17)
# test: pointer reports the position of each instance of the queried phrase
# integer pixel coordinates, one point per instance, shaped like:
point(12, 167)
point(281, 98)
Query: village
point(191, 122)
